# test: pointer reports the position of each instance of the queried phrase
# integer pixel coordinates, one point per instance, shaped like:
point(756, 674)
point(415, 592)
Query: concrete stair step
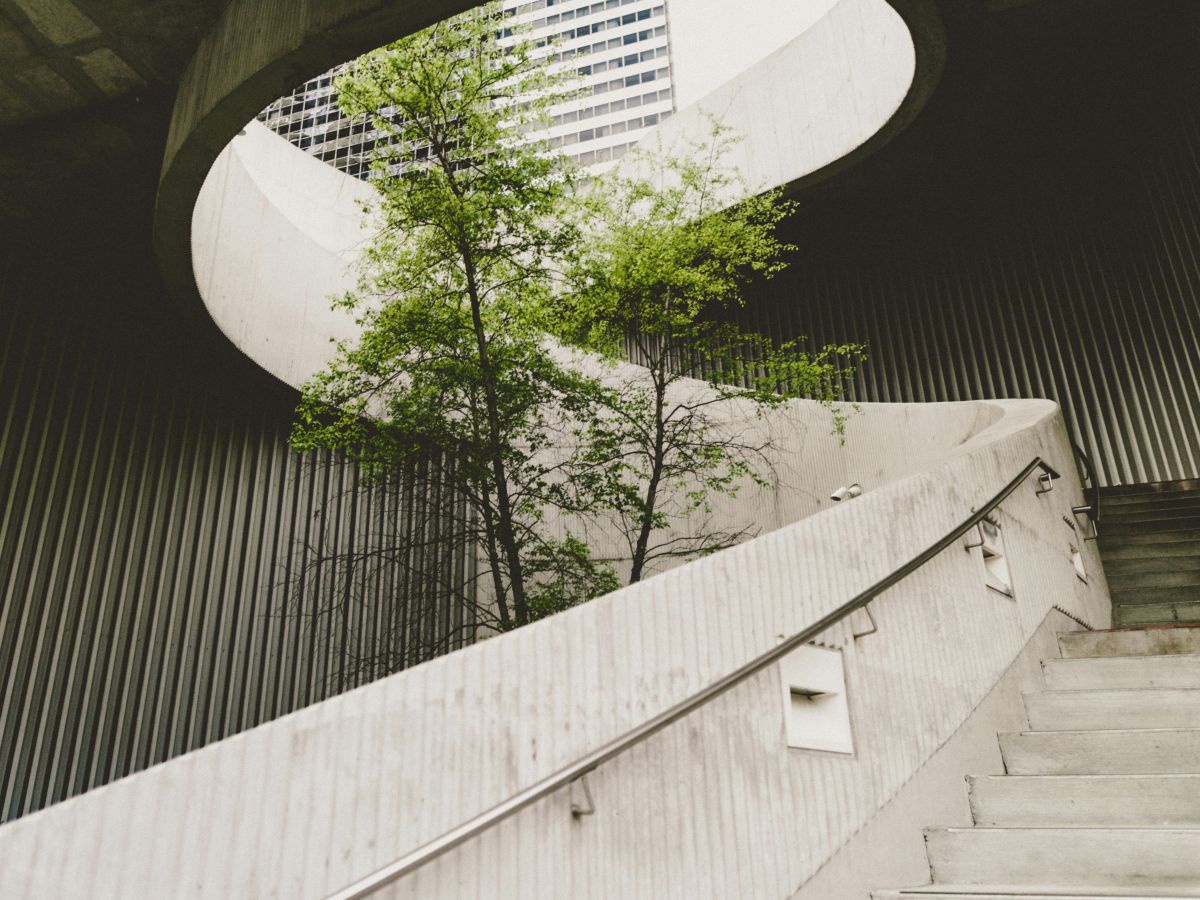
point(1068, 857)
point(1039, 892)
point(1126, 537)
point(1126, 567)
point(1160, 751)
point(1106, 709)
point(1134, 615)
point(1122, 672)
point(1171, 519)
point(1152, 487)
point(1136, 503)
point(1119, 551)
point(1130, 642)
point(1183, 576)
point(1183, 528)
point(1158, 801)
point(1150, 594)
point(1134, 519)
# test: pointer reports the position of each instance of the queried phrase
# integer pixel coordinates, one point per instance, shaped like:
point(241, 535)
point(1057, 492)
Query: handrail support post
point(582, 803)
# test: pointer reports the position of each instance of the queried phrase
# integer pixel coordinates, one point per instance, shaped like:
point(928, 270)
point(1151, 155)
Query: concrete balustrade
point(715, 806)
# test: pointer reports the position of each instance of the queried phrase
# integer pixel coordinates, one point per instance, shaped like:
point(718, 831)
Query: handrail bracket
point(582, 803)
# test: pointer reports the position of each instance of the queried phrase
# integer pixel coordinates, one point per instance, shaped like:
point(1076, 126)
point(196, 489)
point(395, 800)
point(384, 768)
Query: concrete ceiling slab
point(61, 55)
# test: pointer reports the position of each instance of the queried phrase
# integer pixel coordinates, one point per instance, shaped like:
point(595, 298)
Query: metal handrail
point(585, 764)
point(1092, 509)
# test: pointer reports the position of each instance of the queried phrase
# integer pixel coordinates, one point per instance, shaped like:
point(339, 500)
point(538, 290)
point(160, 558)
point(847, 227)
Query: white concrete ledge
point(258, 50)
point(815, 101)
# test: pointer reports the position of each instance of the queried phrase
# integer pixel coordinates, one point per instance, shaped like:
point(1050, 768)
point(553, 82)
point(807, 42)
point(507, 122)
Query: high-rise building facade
point(620, 49)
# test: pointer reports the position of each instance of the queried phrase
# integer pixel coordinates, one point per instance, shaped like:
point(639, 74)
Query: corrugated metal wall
point(1036, 234)
point(157, 535)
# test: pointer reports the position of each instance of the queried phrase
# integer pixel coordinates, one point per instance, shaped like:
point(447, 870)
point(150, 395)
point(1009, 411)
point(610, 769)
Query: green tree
point(677, 240)
point(453, 301)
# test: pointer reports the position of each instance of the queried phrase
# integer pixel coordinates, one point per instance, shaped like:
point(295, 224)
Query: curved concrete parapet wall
point(832, 95)
point(715, 806)
point(275, 235)
point(258, 50)
point(271, 234)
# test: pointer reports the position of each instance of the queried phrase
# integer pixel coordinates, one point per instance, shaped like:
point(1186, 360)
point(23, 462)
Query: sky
point(714, 40)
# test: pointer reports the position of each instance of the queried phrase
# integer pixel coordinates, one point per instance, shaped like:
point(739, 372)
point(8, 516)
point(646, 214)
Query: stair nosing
point(1106, 731)
point(1133, 656)
point(1110, 690)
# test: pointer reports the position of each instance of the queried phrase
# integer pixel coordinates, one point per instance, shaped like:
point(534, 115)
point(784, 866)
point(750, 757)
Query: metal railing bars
point(565, 776)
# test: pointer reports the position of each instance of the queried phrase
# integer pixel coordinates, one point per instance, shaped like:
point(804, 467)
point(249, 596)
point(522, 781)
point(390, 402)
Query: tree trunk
point(656, 467)
point(505, 532)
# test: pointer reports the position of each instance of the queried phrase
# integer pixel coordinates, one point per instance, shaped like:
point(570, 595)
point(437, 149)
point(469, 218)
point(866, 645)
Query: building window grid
point(634, 19)
point(309, 117)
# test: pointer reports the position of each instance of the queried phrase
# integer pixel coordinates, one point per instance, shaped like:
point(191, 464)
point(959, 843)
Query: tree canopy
point(491, 268)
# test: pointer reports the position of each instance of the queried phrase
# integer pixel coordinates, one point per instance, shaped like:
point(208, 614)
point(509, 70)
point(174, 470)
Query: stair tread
point(1179, 670)
point(1072, 829)
point(1154, 593)
point(1187, 519)
point(1085, 801)
point(1151, 487)
point(1153, 658)
point(1177, 612)
point(1150, 565)
point(1187, 693)
point(1130, 506)
point(984, 891)
point(1106, 731)
point(1161, 639)
point(1159, 858)
point(1146, 549)
point(1100, 708)
point(1126, 536)
point(1143, 751)
point(1097, 777)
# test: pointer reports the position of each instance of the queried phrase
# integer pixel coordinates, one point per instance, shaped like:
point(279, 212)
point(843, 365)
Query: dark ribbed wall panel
point(1040, 237)
point(154, 528)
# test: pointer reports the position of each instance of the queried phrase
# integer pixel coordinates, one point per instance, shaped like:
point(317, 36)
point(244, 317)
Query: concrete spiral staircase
point(1102, 795)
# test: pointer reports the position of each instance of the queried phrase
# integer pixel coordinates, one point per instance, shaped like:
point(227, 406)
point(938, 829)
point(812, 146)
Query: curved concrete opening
point(273, 231)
